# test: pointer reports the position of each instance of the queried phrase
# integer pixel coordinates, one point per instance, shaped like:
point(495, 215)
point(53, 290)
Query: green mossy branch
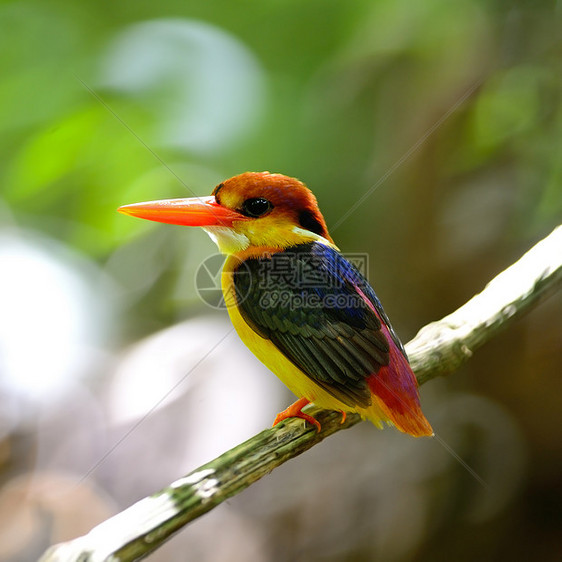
point(438, 349)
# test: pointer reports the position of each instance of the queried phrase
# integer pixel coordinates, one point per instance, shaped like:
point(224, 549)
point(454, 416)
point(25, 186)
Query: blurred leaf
point(508, 106)
point(51, 154)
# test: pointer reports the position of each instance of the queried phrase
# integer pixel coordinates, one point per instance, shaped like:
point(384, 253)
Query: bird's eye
point(256, 207)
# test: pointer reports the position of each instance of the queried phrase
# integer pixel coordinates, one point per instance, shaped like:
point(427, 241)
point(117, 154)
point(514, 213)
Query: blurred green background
point(431, 134)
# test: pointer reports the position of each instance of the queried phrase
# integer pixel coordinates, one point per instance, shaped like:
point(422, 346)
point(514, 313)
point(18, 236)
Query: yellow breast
point(264, 349)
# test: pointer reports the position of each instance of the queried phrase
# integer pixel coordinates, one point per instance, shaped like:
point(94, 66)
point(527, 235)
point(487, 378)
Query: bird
point(298, 304)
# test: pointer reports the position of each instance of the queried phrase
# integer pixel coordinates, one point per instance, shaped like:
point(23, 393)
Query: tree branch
point(438, 349)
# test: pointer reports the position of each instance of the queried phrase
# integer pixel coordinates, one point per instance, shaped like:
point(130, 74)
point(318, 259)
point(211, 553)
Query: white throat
point(226, 239)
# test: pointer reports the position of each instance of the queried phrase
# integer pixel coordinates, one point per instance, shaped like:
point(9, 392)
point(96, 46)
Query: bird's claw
point(295, 411)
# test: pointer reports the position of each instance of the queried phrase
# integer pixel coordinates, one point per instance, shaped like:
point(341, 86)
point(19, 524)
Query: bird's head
point(255, 210)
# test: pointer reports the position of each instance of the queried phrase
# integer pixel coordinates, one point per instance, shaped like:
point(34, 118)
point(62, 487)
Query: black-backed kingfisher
point(304, 310)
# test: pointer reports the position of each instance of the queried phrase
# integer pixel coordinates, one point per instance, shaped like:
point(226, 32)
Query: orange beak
point(195, 211)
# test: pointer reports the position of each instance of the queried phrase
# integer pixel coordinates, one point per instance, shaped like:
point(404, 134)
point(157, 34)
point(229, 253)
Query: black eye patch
point(309, 222)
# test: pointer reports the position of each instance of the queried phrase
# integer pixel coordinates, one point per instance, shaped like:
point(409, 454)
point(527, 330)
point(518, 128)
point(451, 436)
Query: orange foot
point(295, 411)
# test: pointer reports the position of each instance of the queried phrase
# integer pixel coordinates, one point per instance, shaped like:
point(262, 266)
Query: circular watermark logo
point(208, 282)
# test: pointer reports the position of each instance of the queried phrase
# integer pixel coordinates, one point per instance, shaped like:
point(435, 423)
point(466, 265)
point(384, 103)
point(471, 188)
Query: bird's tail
point(395, 391)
